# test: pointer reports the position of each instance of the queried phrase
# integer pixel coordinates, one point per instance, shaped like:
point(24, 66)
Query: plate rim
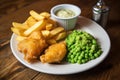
point(57, 73)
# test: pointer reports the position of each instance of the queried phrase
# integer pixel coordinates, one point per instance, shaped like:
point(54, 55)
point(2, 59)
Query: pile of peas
point(82, 47)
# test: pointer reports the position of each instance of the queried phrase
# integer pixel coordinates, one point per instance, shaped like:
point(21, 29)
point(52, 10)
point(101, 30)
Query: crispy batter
point(36, 35)
point(54, 54)
point(32, 47)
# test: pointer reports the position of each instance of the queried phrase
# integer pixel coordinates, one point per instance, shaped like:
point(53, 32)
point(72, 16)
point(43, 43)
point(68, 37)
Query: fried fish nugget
point(54, 54)
point(36, 35)
point(33, 46)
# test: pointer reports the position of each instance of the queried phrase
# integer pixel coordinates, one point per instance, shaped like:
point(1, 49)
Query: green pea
point(83, 48)
point(72, 61)
point(83, 60)
point(86, 56)
point(77, 49)
point(75, 59)
point(92, 57)
point(96, 55)
point(90, 54)
point(91, 51)
point(82, 53)
point(72, 46)
point(80, 57)
point(93, 47)
point(79, 62)
point(72, 56)
point(94, 41)
point(99, 52)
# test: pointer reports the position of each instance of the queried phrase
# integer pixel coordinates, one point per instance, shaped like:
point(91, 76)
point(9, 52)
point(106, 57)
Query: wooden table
point(12, 69)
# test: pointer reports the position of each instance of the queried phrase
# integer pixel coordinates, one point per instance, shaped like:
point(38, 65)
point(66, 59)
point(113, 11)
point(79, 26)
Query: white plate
point(66, 68)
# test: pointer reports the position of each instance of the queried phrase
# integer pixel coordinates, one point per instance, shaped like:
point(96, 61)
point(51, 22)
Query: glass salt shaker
point(100, 13)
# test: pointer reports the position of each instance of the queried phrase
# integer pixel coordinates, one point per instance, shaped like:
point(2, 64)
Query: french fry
point(55, 31)
point(30, 21)
point(36, 15)
point(37, 26)
point(20, 38)
point(19, 25)
point(45, 33)
point(45, 14)
point(54, 23)
point(17, 31)
point(61, 36)
point(49, 26)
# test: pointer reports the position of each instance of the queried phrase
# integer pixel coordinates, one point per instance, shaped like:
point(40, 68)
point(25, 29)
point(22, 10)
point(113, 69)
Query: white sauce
point(65, 13)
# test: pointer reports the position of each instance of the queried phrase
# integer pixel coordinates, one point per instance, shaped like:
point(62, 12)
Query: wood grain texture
point(18, 10)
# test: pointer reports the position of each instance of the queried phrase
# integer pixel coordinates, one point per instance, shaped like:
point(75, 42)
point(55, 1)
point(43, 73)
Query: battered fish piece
point(36, 35)
point(32, 47)
point(55, 53)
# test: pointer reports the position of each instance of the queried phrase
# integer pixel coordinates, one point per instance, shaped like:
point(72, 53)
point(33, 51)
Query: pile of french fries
point(39, 22)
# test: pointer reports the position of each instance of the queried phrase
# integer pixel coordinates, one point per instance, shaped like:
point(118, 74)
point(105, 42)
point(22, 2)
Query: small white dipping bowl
point(67, 23)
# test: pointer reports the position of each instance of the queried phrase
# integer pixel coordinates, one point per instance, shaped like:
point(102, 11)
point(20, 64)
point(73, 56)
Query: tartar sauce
point(65, 13)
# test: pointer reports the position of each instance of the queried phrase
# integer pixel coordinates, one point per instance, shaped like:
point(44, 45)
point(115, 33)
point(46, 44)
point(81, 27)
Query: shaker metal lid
point(101, 7)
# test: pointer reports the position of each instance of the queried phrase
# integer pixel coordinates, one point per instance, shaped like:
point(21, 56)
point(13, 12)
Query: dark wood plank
point(9, 6)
